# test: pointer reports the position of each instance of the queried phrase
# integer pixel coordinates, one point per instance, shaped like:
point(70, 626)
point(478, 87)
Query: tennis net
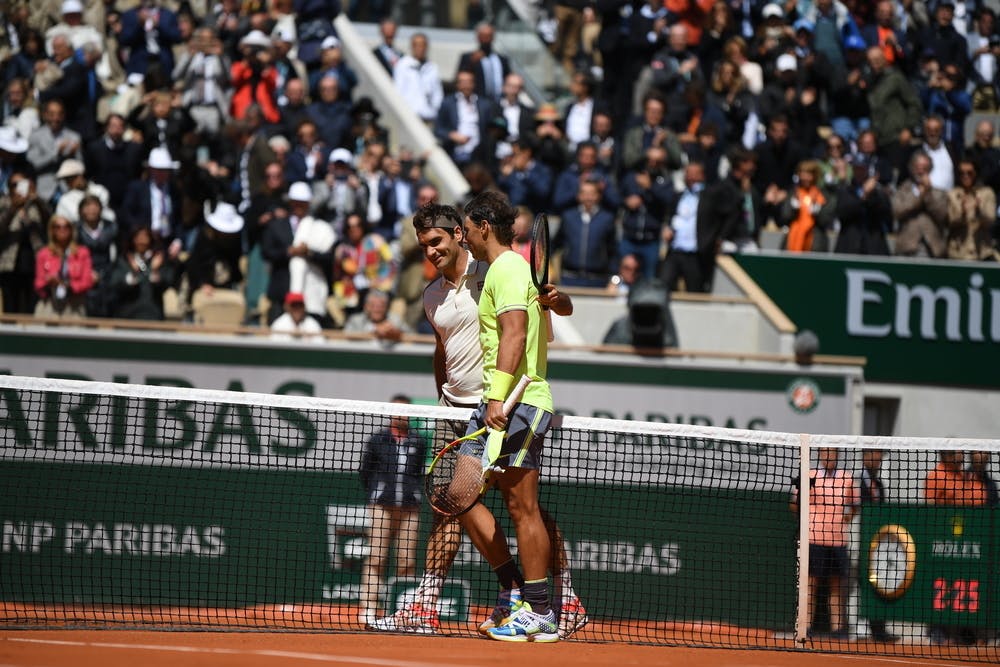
point(141, 506)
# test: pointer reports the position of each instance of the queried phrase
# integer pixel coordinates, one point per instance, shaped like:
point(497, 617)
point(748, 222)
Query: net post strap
point(802, 584)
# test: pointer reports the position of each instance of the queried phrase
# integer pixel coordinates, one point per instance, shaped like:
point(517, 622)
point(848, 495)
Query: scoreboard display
point(930, 564)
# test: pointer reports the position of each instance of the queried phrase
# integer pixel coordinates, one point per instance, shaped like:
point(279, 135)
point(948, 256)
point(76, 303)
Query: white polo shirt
point(453, 311)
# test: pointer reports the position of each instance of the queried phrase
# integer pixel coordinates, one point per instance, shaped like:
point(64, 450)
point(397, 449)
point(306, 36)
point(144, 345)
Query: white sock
point(429, 590)
point(566, 583)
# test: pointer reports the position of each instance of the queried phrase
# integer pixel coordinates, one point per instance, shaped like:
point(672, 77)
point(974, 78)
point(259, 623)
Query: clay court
point(111, 648)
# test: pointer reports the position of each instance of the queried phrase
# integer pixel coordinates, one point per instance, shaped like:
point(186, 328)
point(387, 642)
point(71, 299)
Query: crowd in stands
point(199, 147)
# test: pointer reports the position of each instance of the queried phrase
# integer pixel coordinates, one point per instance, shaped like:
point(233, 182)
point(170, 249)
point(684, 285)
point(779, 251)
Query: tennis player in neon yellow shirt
point(513, 334)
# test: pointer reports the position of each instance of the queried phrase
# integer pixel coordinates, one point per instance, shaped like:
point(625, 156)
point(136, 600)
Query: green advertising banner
point(930, 564)
point(929, 322)
point(211, 537)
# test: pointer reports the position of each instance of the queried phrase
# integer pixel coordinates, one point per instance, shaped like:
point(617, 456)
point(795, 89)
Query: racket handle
point(515, 395)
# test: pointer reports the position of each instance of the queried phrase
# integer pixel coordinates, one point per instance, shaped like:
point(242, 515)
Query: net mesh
point(129, 506)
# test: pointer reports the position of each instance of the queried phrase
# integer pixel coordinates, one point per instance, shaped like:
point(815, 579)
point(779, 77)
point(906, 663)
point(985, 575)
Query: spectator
point(391, 473)
point(569, 16)
point(22, 236)
point(267, 204)
point(835, 167)
point(629, 273)
point(736, 51)
point(807, 213)
point(203, 71)
point(585, 168)
point(773, 35)
point(72, 88)
point(162, 122)
point(525, 180)
point(310, 252)
point(648, 194)
point(289, 68)
point(332, 64)
point(972, 209)
point(73, 26)
point(941, 38)
point(214, 260)
point(295, 323)
point(849, 110)
point(19, 110)
point(865, 215)
point(50, 145)
point(984, 47)
point(551, 149)
point(777, 158)
point(899, 107)
point(112, 161)
point(872, 492)
point(375, 319)
point(950, 485)
point(647, 28)
point(729, 95)
point(921, 211)
point(488, 67)
point(140, 278)
point(883, 32)
point(380, 201)
point(603, 136)
point(153, 201)
point(833, 502)
point(463, 122)
point(63, 273)
point(673, 68)
point(681, 234)
point(830, 19)
point(579, 113)
point(418, 80)
point(868, 159)
point(985, 154)
point(100, 236)
point(308, 160)
point(74, 186)
point(719, 27)
point(386, 52)
point(252, 152)
point(331, 114)
point(729, 214)
point(293, 106)
point(979, 463)
point(341, 193)
point(520, 117)
point(651, 132)
point(255, 78)
point(362, 261)
point(148, 33)
point(586, 238)
point(946, 101)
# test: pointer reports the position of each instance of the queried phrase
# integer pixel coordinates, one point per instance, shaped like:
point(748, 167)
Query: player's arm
point(556, 301)
point(513, 326)
point(440, 375)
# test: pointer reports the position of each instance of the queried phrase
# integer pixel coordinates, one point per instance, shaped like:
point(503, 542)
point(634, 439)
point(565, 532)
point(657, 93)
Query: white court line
point(318, 657)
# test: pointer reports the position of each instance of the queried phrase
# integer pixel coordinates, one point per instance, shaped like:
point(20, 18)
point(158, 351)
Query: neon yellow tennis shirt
point(508, 286)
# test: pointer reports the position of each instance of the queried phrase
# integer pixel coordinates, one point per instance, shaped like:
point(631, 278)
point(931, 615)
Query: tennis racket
point(539, 252)
point(454, 483)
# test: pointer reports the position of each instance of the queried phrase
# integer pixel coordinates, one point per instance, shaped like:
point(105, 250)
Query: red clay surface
point(111, 648)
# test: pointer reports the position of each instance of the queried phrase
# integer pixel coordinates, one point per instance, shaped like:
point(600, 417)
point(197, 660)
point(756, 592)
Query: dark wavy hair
point(494, 208)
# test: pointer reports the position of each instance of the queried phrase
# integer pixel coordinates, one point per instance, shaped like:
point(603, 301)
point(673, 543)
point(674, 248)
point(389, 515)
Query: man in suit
point(50, 145)
point(489, 67)
point(729, 214)
point(331, 114)
point(149, 32)
point(525, 180)
point(308, 159)
point(112, 161)
point(463, 122)
point(154, 201)
point(520, 117)
point(73, 88)
point(386, 52)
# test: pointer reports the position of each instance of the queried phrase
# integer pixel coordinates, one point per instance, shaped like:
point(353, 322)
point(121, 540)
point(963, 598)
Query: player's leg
point(371, 575)
point(406, 551)
point(569, 609)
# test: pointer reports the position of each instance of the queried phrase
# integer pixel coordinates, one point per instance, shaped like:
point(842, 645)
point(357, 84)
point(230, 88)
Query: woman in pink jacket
point(63, 272)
